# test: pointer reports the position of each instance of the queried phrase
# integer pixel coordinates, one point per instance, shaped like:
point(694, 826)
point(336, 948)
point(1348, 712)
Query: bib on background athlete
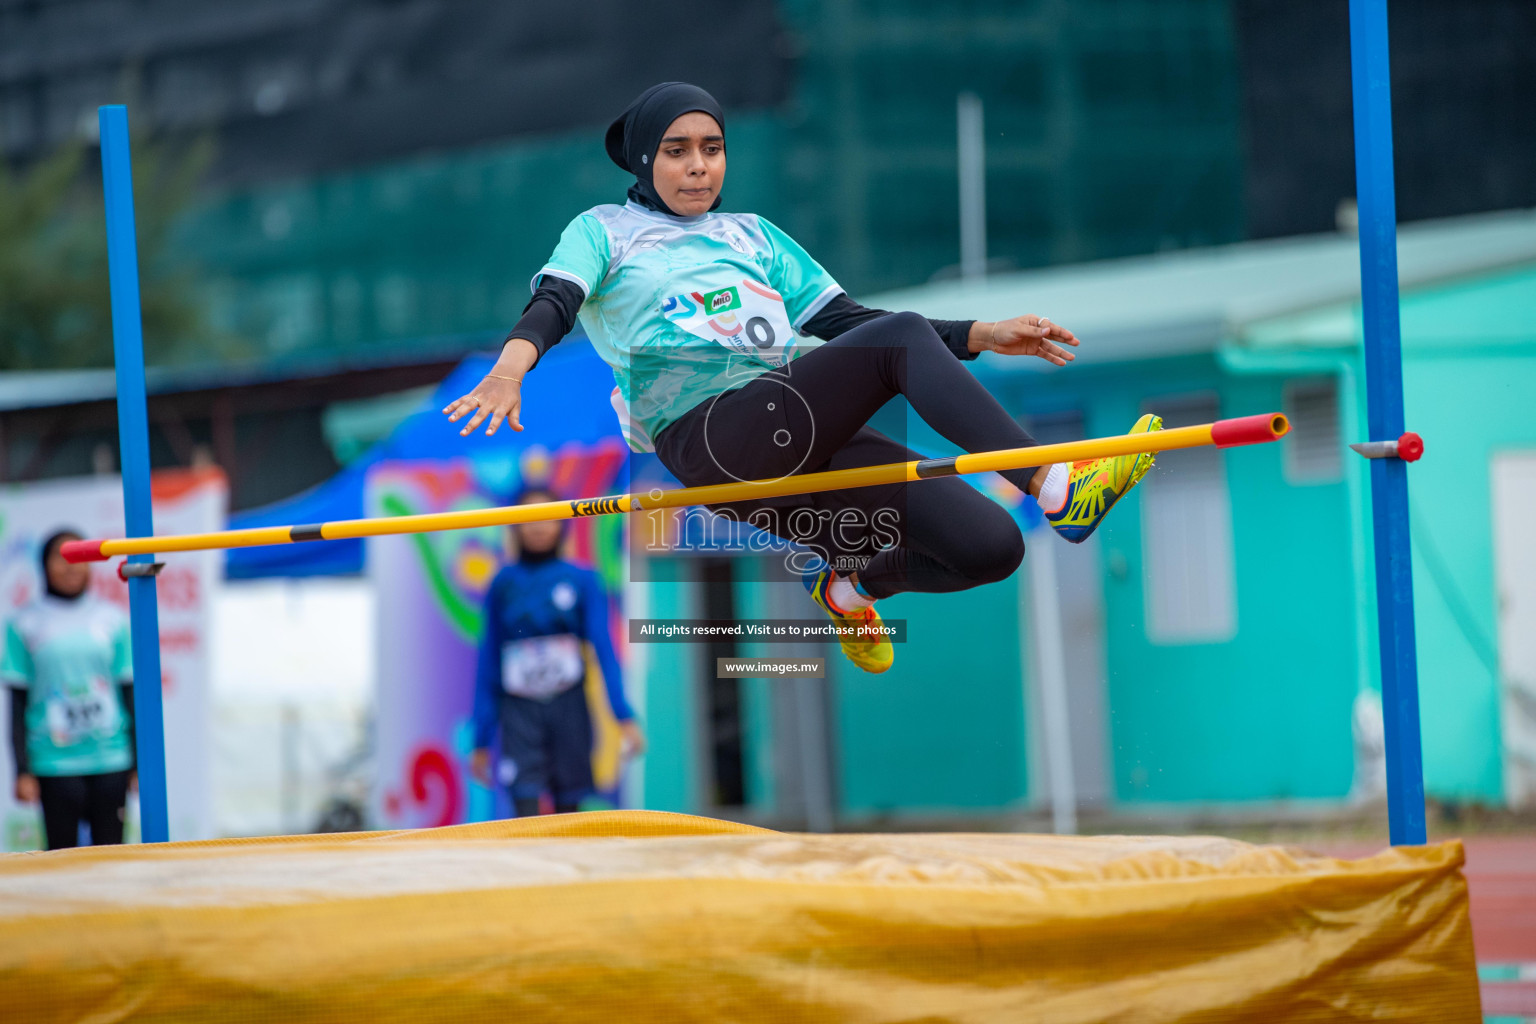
point(541, 667)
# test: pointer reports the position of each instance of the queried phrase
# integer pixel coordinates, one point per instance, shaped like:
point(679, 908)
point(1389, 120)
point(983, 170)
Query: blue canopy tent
point(566, 401)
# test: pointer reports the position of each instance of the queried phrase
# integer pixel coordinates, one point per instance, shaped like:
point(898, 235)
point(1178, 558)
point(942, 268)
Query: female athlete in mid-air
point(705, 319)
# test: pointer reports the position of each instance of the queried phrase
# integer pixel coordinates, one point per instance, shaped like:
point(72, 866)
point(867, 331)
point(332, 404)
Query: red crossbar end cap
point(82, 551)
point(1270, 426)
point(1410, 446)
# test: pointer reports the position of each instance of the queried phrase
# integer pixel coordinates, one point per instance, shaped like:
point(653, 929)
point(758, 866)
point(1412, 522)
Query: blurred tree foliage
point(55, 302)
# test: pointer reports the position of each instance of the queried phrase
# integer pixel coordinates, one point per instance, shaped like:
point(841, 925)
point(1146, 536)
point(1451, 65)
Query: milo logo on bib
point(748, 318)
point(722, 301)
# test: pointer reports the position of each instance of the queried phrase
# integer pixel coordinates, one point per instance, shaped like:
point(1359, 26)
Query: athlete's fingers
point(474, 421)
point(1046, 329)
point(496, 418)
point(510, 412)
point(1055, 353)
point(460, 407)
point(1063, 335)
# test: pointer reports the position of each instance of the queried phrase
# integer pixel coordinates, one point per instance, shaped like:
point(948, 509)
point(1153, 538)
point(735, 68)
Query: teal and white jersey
point(683, 308)
point(71, 656)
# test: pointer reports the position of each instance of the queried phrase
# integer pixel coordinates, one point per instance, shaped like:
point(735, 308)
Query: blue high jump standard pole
point(1375, 196)
point(133, 437)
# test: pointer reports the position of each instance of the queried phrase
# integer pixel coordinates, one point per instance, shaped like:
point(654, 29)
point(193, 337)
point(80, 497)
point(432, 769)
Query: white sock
point(1053, 492)
point(845, 598)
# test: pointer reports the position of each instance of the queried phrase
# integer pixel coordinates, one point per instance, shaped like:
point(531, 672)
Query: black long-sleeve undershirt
point(842, 314)
point(125, 691)
point(19, 701)
point(551, 313)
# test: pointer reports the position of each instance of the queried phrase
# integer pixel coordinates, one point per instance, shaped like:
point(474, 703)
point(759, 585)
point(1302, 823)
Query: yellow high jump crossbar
point(1223, 434)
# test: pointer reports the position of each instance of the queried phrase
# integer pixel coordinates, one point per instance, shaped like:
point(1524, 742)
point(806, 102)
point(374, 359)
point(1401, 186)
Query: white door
point(1514, 553)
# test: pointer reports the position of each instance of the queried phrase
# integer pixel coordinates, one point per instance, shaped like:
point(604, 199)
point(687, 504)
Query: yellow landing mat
point(634, 916)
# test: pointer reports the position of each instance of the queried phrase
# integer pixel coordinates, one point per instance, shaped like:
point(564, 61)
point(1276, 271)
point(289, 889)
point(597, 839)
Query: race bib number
point(748, 318)
point(88, 713)
point(542, 666)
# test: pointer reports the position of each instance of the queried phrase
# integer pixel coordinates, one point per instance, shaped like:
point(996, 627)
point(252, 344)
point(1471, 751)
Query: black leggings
point(936, 536)
point(70, 799)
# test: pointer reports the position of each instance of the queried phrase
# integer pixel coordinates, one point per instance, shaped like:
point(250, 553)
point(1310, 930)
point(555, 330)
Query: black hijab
point(633, 138)
point(49, 546)
point(529, 494)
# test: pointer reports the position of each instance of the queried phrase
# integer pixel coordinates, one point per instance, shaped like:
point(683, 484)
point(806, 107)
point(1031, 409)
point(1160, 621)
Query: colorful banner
point(185, 501)
point(430, 594)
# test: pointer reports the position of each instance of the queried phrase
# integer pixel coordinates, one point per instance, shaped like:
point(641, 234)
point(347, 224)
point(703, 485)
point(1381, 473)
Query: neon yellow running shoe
point(872, 652)
point(1096, 484)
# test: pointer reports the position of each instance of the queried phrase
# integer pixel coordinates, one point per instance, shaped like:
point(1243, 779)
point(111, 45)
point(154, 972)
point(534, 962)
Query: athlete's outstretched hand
point(1030, 335)
point(493, 397)
point(499, 395)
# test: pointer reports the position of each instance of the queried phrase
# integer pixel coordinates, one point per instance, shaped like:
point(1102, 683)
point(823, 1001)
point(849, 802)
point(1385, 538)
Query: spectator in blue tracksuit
point(538, 612)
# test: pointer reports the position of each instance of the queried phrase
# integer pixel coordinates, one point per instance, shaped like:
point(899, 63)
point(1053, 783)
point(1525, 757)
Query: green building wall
point(944, 729)
point(1264, 715)
point(1467, 406)
point(1469, 375)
